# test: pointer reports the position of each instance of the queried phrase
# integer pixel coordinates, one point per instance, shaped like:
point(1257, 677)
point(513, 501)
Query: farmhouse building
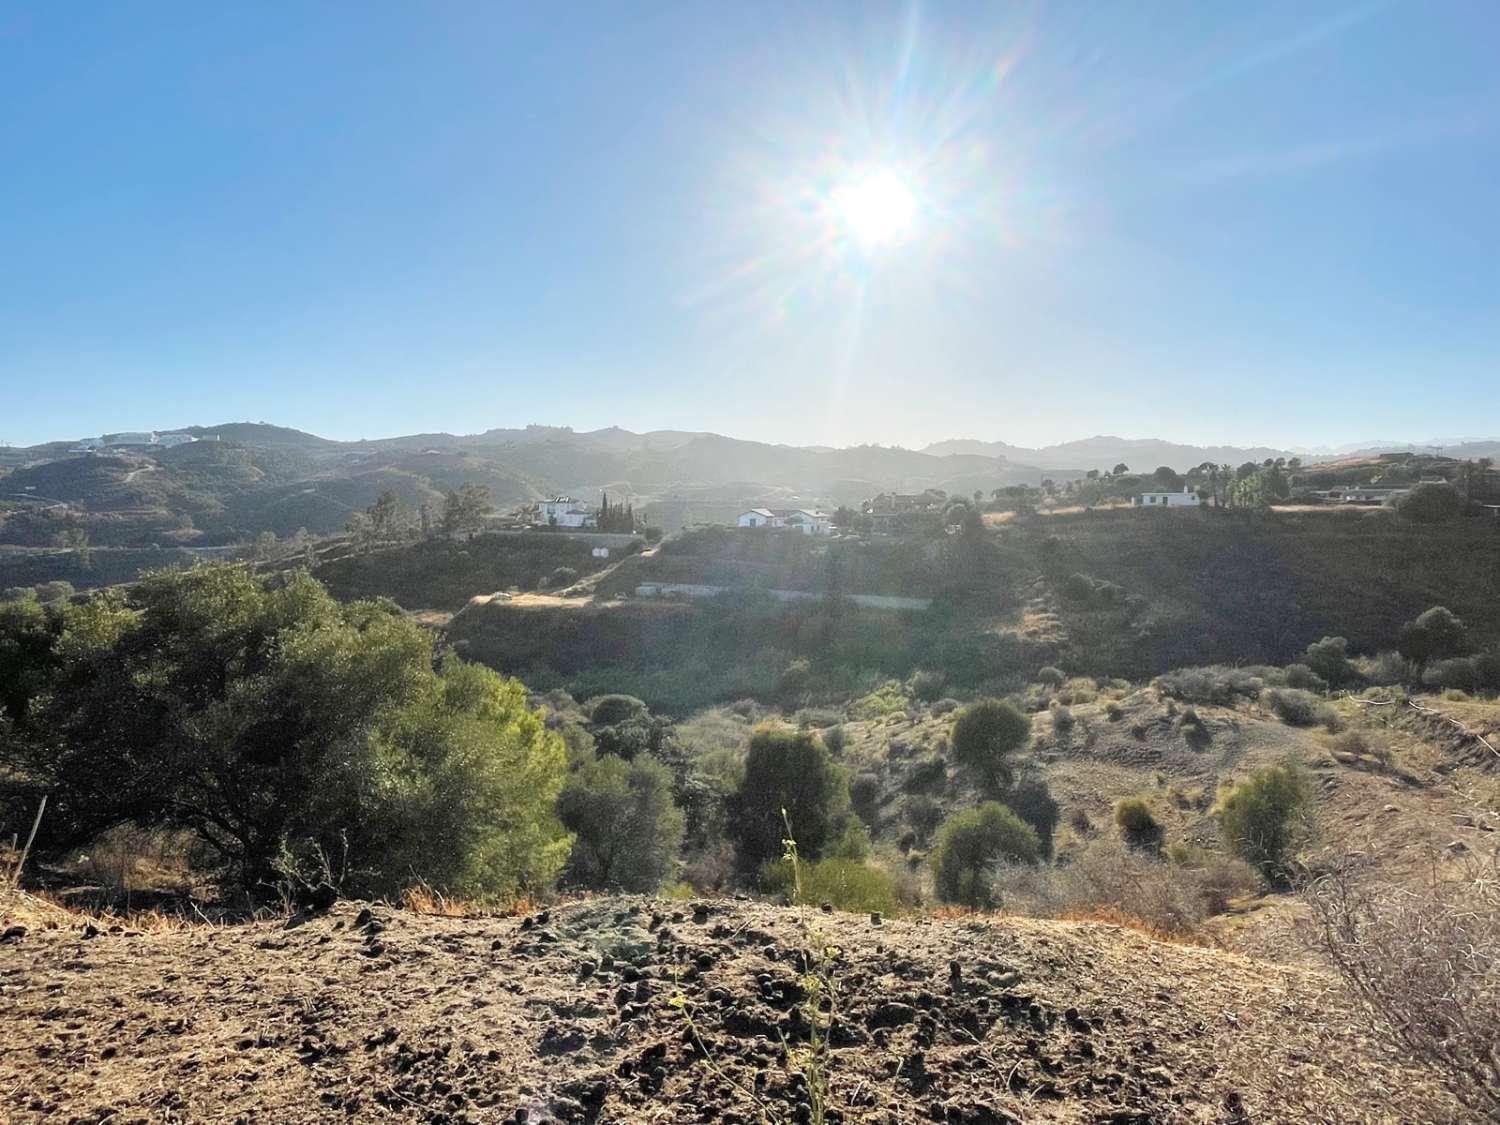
point(1361, 494)
point(1187, 498)
point(791, 519)
point(564, 511)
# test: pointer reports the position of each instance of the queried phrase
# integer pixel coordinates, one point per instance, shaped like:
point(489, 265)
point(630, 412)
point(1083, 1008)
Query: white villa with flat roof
point(1187, 498)
point(791, 519)
point(564, 511)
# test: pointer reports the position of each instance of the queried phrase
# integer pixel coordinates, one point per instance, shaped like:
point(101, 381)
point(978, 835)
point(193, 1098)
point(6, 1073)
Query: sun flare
point(876, 208)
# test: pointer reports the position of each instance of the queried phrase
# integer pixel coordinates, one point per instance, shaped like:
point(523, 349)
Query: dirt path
point(574, 1015)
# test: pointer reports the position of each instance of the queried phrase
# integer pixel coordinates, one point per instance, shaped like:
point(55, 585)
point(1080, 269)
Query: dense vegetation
point(682, 657)
point(297, 739)
point(1219, 587)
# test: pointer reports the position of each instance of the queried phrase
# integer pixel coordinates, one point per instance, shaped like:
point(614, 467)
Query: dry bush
point(1361, 747)
point(1107, 881)
point(1424, 963)
point(127, 859)
point(1215, 684)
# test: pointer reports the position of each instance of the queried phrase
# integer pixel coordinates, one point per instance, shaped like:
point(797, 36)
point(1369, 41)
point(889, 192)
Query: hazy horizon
point(894, 222)
point(476, 429)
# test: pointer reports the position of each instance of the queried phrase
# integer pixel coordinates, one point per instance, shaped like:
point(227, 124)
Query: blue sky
point(1268, 223)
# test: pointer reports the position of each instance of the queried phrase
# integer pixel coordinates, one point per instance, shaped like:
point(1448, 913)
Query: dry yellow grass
point(420, 898)
point(43, 910)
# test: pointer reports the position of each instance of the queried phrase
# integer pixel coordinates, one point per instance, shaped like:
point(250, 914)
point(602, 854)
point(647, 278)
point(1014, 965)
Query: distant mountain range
point(1146, 454)
point(240, 479)
point(243, 478)
point(1142, 455)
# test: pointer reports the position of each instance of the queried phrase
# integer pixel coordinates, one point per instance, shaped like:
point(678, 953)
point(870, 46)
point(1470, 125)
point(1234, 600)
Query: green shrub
point(286, 732)
point(1062, 717)
point(560, 577)
point(791, 771)
point(970, 844)
point(923, 814)
point(1303, 678)
point(1079, 588)
point(835, 738)
point(945, 706)
point(1263, 818)
point(1113, 711)
point(627, 831)
point(1431, 503)
point(925, 774)
point(1329, 658)
point(927, 686)
point(865, 791)
point(1052, 677)
point(852, 841)
point(844, 884)
point(1435, 634)
point(609, 710)
point(794, 681)
point(1033, 802)
point(1385, 669)
point(986, 735)
point(1296, 708)
point(1136, 821)
point(1210, 685)
point(888, 699)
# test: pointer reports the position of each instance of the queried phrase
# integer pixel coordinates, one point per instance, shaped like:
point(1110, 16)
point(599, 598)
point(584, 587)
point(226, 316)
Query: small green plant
point(888, 699)
point(1263, 819)
point(844, 884)
point(820, 982)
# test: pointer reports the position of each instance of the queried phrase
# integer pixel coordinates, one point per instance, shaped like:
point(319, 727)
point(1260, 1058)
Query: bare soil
point(369, 1013)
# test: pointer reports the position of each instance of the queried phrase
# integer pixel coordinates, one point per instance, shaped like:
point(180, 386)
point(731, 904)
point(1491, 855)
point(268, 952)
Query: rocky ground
point(640, 1010)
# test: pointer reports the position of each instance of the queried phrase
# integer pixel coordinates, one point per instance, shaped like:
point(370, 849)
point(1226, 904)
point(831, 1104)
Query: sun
point(877, 207)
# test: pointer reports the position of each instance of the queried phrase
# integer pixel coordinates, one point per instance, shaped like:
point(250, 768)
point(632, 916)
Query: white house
point(793, 519)
point(564, 511)
point(1187, 498)
point(1363, 494)
point(170, 440)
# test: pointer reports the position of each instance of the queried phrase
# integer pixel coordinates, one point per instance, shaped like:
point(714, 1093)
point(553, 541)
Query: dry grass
point(43, 910)
point(1119, 916)
point(1424, 963)
point(421, 898)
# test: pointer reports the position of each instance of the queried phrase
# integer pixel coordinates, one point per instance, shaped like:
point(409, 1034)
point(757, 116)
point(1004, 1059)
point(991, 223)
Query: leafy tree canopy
point(284, 730)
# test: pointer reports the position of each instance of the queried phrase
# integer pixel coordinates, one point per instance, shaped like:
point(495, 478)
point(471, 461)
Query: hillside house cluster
point(789, 519)
point(129, 439)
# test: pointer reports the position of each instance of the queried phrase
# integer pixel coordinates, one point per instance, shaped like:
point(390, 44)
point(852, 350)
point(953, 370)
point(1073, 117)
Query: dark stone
point(891, 1014)
point(562, 1041)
